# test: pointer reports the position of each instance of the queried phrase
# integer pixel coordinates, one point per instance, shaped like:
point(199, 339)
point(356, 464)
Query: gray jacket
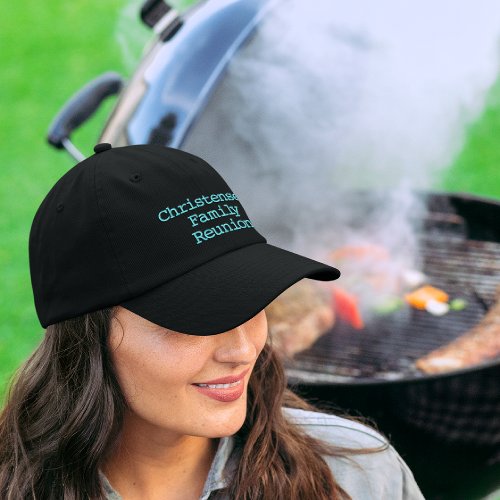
point(382, 476)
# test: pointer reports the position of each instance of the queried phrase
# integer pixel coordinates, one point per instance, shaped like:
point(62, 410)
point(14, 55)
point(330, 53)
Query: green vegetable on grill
point(458, 304)
point(389, 306)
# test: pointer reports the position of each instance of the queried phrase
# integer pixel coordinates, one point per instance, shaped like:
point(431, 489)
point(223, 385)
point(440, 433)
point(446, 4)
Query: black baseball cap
point(158, 231)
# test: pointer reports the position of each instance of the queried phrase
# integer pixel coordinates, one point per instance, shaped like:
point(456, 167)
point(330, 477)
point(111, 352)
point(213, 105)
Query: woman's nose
point(236, 346)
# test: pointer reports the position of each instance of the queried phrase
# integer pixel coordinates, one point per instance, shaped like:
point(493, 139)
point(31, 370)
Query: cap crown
point(127, 220)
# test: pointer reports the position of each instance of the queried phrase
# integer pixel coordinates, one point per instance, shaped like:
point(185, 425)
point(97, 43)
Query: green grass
point(477, 167)
point(49, 50)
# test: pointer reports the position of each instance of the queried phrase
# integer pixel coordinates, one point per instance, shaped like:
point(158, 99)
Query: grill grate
point(387, 348)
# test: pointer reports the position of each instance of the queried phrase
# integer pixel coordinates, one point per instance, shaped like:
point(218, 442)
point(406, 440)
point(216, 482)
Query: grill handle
point(79, 108)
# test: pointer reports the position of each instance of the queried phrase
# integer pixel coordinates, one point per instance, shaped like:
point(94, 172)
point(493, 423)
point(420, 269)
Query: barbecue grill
point(370, 371)
point(462, 254)
point(460, 242)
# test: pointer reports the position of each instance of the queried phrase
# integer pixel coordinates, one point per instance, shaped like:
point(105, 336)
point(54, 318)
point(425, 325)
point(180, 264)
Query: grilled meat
point(481, 343)
point(299, 316)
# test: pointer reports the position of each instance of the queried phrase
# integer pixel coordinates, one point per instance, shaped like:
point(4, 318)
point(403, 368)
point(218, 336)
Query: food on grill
point(434, 301)
point(364, 251)
point(375, 281)
point(458, 304)
point(389, 305)
point(420, 297)
point(413, 277)
point(479, 344)
point(437, 308)
point(346, 306)
point(299, 316)
point(368, 269)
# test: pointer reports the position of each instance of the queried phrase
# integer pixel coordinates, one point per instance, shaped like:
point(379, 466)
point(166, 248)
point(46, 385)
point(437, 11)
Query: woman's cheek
point(258, 332)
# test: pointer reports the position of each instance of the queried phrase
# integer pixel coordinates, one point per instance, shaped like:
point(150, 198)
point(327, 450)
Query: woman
point(155, 377)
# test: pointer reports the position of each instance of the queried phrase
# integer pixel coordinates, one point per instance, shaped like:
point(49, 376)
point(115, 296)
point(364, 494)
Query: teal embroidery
point(222, 210)
point(207, 234)
point(169, 213)
point(203, 217)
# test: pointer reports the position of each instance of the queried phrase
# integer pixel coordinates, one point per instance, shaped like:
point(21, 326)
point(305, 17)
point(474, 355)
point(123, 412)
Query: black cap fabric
point(158, 231)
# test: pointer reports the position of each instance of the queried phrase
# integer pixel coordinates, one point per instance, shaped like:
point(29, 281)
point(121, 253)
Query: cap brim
point(228, 290)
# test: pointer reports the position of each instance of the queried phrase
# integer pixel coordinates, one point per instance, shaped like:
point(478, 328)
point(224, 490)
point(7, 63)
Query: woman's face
point(158, 368)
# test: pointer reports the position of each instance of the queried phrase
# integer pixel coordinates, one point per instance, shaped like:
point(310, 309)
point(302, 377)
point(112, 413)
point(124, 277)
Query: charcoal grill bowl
point(446, 426)
point(460, 407)
point(434, 424)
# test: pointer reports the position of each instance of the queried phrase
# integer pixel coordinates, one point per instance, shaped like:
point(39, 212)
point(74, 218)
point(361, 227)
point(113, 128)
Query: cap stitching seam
point(101, 218)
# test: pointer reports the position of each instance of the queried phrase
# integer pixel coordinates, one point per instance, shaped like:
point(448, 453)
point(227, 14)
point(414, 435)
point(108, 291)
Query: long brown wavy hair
point(64, 411)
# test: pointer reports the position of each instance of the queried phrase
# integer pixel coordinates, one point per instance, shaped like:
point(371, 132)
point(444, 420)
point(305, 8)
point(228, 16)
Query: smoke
point(131, 34)
point(330, 97)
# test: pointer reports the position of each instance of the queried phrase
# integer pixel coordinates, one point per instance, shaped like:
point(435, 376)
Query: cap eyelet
point(60, 207)
point(135, 177)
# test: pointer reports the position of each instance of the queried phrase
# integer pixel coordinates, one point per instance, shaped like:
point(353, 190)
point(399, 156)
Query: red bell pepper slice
point(346, 307)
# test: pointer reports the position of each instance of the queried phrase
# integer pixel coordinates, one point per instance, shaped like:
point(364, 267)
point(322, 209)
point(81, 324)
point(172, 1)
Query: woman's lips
point(229, 379)
point(224, 394)
point(223, 389)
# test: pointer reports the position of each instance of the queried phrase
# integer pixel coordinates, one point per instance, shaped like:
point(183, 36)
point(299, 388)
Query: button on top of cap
point(103, 146)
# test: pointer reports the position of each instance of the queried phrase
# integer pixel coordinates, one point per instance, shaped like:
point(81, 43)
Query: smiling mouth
point(225, 392)
point(224, 382)
point(219, 386)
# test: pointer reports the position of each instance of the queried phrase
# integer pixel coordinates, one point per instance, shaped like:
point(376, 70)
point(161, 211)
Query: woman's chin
point(226, 427)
